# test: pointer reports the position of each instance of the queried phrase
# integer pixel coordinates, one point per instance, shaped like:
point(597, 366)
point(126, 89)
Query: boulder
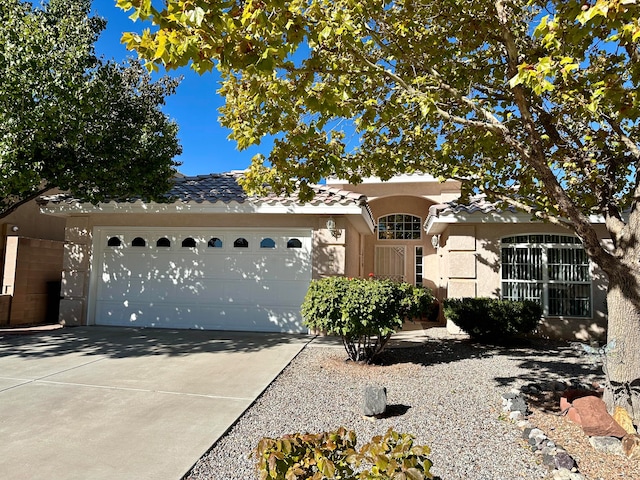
point(594, 418)
point(631, 446)
point(609, 445)
point(622, 418)
point(375, 401)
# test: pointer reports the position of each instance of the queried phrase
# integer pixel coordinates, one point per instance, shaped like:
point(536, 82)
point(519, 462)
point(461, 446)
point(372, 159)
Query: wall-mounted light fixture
point(331, 226)
point(14, 228)
point(435, 241)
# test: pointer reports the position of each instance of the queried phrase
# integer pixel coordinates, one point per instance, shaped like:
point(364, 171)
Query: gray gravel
point(444, 391)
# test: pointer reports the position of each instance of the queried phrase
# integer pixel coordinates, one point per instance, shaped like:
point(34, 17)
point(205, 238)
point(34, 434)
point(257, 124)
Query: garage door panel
point(228, 317)
point(212, 288)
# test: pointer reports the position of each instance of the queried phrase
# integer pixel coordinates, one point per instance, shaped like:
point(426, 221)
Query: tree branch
point(9, 210)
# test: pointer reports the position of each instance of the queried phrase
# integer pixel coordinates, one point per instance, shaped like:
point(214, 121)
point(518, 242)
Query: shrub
point(491, 319)
point(365, 313)
point(332, 455)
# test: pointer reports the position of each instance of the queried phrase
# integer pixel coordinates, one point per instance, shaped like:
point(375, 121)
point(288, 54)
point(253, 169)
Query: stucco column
point(75, 272)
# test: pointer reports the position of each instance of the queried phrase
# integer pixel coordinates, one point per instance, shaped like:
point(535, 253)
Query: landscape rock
point(375, 401)
point(519, 405)
point(595, 419)
point(622, 417)
point(564, 461)
point(609, 445)
point(631, 446)
point(569, 395)
point(565, 474)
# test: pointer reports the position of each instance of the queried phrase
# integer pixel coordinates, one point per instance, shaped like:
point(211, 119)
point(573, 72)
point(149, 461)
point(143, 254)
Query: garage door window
point(189, 243)
point(268, 243)
point(294, 243)
point(215, 242)
point(114, 242)
point(241, 243)
point(139, 242)
point(163, 242)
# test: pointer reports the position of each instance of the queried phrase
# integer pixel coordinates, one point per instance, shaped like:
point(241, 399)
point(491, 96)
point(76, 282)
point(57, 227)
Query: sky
point(194, 107)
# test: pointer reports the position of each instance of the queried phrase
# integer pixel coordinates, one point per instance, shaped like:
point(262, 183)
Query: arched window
point(294, 243)
point(399, 226)
point(138, 242)
point(550, 269)
point(189, 243)
point(215, 242)
point(114, 242)
point(163, 242)
point(268, 243)
point(241, 243)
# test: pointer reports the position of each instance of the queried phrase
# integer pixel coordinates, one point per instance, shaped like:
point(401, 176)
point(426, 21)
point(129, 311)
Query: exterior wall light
point(331, 226)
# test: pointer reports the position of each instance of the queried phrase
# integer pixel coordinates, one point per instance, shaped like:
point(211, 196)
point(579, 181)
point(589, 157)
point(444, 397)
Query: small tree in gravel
point(365, 313)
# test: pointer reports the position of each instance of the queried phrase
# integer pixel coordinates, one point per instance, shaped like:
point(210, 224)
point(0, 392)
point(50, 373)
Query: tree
point(72, 121)
point(533, 103)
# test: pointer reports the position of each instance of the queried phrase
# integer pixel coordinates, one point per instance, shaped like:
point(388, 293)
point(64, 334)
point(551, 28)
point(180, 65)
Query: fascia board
point(68, 209)
point(436, 225)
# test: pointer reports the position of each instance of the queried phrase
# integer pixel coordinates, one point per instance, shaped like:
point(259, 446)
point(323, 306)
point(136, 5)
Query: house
point(30, 264)
point(214, 258)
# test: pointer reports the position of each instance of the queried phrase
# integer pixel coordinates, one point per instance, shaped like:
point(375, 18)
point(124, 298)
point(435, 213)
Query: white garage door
point(213, 279)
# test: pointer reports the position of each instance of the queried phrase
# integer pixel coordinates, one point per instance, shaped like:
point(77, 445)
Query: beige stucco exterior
point(470, 258)
point(460, 252)
point(331, 255)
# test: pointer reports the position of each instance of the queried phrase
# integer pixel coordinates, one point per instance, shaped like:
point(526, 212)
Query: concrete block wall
point(38, 264)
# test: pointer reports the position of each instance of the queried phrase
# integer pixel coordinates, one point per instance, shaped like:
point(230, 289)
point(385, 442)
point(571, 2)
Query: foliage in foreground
point(533, 103)
point(333, 455)
point(365, 313)
point(70, 120)
point(492, 319)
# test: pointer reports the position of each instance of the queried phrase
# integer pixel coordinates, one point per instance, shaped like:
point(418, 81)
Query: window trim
point(570, 242)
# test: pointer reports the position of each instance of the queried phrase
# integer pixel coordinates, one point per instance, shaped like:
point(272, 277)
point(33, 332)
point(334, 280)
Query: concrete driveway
point(117, 403)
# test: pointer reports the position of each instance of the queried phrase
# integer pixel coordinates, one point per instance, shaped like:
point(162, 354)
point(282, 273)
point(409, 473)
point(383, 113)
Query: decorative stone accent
point(622, 418)
point(555, 458)
point(375, 401)
point(631, 446)
point(595, 419)
point(610, 445)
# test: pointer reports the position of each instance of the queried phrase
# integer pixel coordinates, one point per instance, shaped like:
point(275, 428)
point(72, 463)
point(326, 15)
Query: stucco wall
point(471, 257)
point(331, 256)
point(408, 205)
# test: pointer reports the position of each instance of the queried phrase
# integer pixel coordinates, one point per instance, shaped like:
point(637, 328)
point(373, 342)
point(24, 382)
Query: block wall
point(38, 266)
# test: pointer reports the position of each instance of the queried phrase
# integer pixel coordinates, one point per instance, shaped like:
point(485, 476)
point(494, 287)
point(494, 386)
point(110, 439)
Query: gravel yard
point(444, 391)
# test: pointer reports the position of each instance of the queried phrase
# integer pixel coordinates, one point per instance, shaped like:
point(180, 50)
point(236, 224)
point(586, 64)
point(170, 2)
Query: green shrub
point(365, 313)
point(491, 319)
point(332, 455)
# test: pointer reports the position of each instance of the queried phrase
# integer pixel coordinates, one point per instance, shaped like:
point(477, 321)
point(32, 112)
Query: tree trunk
point(622, 363)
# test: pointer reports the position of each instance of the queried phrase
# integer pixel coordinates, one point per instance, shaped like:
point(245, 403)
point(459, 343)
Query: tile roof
point(478, 204)
point(224, 187)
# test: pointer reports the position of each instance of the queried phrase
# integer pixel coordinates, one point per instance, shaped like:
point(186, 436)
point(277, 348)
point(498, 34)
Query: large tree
point(533, 103)
point(70, 120)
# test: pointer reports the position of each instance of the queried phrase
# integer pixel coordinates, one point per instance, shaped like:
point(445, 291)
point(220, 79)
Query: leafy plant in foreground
point(332, 455)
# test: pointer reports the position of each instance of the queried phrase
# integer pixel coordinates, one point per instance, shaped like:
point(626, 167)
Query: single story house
point(213, 257)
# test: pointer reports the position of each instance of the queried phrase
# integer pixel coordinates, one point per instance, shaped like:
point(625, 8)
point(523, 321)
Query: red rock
point(631, 446)
point(568, 396)
point(595, 420)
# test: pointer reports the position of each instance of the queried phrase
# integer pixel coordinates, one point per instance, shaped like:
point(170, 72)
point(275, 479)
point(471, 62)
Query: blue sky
point(194, 107)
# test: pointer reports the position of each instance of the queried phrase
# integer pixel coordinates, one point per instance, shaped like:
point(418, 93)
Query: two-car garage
point(208, 278)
